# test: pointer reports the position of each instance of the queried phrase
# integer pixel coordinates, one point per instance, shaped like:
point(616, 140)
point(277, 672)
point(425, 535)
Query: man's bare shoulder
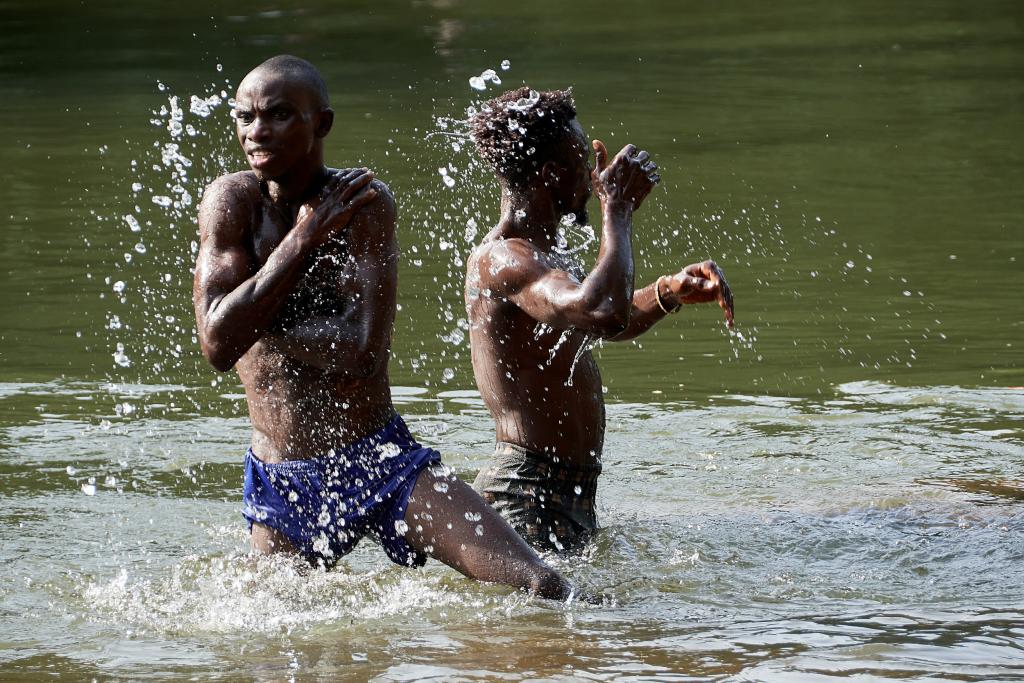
point(229, 193)
point(507, 265)
point(384, 203)
point(377, 219)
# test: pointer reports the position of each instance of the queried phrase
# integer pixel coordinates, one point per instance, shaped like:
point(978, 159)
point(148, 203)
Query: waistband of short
point(507, 453)
point(394, 431)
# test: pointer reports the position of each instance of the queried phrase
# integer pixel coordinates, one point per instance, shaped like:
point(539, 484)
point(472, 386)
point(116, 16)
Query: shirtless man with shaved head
point(295, 288)
point(533, 310)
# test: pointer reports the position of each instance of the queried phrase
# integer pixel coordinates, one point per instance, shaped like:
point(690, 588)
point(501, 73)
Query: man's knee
point(547, 583)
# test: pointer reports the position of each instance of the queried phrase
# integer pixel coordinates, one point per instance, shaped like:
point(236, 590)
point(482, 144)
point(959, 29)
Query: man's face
point(277, 123)
point(574, 182)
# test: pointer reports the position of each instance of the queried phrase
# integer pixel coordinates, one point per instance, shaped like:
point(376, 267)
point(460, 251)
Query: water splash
point(151, 278)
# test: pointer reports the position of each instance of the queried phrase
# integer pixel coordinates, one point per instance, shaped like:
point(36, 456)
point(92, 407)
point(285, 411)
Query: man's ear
point(325, 120)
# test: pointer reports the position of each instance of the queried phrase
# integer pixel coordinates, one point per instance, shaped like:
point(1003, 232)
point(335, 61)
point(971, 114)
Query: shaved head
point(294, 70)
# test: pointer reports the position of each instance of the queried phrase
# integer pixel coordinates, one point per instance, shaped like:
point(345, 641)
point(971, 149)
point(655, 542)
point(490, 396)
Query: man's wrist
point(666, 300)
point(305, 235)
point(617, 208)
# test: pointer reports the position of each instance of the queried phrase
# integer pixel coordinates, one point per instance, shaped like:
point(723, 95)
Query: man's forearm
point(644, 313)
point(609, 286)
point(241, 317)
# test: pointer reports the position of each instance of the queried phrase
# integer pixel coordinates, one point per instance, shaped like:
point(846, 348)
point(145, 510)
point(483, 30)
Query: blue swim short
point(326, 505)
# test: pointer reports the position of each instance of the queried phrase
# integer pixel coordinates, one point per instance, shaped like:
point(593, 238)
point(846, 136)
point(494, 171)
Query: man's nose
point(259, 130)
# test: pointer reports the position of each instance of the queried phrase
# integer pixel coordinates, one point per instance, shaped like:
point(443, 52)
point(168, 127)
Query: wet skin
point(515, 283)
point(295, 288)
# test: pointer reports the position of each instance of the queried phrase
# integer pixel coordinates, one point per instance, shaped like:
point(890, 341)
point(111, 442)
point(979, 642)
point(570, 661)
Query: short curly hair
point(519, 131)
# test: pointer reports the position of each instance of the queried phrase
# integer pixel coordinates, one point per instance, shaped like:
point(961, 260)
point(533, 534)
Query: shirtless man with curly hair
point(533, 310)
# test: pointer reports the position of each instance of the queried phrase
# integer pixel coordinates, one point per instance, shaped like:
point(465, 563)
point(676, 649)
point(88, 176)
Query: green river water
point(832, 490)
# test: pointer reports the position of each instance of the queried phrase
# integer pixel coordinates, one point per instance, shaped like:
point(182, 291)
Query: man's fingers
point(347, 176)
point(343, 178)
point(724, 293)
point(708, 284)
point(627, 151)
point(363, 198)
point(343, 213)
point(643, 157)
point(600, 156)
point(356, 184)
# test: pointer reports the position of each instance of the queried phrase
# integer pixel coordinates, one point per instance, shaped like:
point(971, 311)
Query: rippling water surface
point(834, 490)
point(878, 532)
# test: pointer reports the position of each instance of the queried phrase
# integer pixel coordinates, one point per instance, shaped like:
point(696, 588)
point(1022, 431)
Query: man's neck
point(298, 186)
point(528, 217)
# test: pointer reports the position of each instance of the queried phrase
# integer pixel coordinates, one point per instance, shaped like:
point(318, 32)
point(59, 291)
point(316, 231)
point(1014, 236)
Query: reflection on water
point(870, 533)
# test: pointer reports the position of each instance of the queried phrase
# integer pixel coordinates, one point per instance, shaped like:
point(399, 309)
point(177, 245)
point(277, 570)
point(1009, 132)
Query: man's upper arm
point(224, 262)
point(515, 270)
point(373, 248)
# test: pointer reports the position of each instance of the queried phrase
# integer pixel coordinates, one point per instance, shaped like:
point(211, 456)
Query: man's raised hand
point(701, 283)
point(629, 177)
point(343, 195)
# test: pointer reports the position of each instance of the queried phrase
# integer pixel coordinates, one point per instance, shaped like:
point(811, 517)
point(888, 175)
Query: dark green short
point(550, 505)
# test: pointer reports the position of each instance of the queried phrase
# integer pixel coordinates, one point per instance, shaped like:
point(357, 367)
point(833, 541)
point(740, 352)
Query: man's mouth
point(258, 158)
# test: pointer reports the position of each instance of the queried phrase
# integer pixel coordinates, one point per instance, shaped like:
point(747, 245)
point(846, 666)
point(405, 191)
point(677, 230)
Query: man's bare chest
point(328, 272)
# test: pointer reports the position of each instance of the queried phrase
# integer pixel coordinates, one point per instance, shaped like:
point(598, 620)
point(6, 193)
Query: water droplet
point(388, 450)
point(505, 65)
point(401, 528)
point(120, 357)
point(479, 529)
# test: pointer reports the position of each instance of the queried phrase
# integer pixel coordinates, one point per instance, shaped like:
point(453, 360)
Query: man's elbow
point(611, 324)
point(609, 318)
point(219, 356)
point(371, 365)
